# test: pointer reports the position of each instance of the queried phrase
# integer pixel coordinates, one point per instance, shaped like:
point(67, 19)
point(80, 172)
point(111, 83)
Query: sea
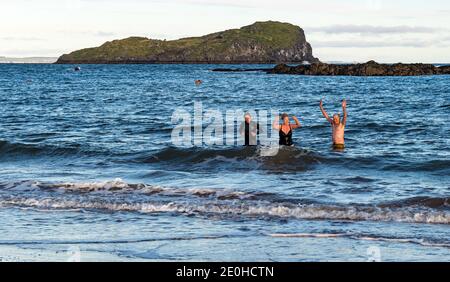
point(90, 169)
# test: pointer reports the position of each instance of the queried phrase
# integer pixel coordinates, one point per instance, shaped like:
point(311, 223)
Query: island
point(268, 42)
point(370, 68)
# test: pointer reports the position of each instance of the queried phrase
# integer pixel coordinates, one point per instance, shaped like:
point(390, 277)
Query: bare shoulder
point(337, 126)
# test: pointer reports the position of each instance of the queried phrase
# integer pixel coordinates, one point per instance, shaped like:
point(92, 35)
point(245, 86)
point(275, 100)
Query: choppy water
point(87, 163)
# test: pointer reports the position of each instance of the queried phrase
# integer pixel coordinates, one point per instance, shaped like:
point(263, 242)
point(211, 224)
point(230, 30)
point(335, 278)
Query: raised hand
point(324, 113)
point(344, 108)
point(297, 122)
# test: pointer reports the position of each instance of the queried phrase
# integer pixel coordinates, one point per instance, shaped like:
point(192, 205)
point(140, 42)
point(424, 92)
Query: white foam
point(312, 212)
point(106, 185)
point(207, 201)
point(119, 186)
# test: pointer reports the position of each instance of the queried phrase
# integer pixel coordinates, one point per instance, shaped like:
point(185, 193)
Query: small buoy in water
point(76, 68)
point(198, 82)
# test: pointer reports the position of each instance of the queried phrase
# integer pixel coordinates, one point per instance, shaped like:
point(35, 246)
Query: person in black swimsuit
point(285, 129)
point(249, 129)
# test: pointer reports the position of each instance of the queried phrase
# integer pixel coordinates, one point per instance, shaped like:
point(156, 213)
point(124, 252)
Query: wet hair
point(338, 117)
point(284, 115)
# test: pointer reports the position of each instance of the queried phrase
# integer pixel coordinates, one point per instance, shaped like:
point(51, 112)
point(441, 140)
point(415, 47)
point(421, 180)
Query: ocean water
point(88, 170)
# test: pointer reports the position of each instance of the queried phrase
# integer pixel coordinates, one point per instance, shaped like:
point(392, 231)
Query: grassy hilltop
point(261, 42)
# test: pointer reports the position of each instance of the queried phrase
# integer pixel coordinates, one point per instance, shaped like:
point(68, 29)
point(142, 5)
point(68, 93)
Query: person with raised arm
point(337, 125)
point(285, 129)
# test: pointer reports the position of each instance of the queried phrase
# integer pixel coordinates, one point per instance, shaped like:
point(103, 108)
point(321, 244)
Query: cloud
point(35, 52)
point(104, 33)
point(19, 38)
point(370, 29)
point(370, 44)
point(213, 3)
point(221, 3)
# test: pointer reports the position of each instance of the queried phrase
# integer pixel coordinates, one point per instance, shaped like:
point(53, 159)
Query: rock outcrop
point(261, 42)
point(444, 69)
point(370, 68)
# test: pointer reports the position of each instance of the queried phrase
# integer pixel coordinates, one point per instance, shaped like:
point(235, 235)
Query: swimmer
point(285, 129)
point(198, 82)
point(250, 130)
point(337, 125)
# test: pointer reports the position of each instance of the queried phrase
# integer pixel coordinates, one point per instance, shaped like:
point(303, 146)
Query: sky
point(347, 30)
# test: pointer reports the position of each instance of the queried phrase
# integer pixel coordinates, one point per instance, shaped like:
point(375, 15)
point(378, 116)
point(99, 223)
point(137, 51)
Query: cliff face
point(261, 42)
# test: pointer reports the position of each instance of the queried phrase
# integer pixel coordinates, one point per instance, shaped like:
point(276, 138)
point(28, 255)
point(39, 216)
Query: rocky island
point(267, 42)
point(370, 68)
point(260, 43)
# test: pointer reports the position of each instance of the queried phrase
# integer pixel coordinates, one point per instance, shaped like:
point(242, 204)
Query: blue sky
point(347, 30)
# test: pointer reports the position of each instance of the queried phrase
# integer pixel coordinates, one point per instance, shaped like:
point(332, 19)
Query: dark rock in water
point(370, 68)
point(262, 42)
point(445, 69)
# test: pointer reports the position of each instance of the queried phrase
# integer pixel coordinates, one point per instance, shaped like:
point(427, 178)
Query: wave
point(169, 155)
point(280, 159)
point(260, 211)
point(269, 159)
point(8, 149)
point(36, 149)
point(422, 242)
point(118, 186)
point(196, 154)
point(430, 202)
point(428, 166)
point(122, 196)
point(265, 158)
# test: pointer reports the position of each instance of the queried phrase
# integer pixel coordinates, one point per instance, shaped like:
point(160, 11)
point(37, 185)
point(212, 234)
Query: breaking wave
point(118, 195)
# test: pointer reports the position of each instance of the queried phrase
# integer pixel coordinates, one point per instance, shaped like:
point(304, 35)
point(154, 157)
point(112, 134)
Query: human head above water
point(247, 118)
point(336, 118)
point(285, 118)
